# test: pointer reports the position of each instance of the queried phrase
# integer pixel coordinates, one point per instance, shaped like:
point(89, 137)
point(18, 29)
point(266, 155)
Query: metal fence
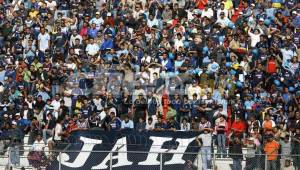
point(120, 159)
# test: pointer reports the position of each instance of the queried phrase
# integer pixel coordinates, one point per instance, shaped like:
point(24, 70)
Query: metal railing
point(120, 159)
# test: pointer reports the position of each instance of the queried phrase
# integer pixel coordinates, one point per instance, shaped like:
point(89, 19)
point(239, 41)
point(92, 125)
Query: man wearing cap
point(97, 20)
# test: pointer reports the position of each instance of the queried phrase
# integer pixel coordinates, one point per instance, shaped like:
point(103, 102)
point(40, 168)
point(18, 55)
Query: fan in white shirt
point(44, 40)
point(51, 4)
point(92, 48)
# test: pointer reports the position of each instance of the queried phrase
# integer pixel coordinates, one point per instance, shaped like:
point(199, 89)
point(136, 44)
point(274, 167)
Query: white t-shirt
point(43, 41)
point(58, 130)
point(38, 145)
point(51, 5)
point(206, 139)
point(92, 49)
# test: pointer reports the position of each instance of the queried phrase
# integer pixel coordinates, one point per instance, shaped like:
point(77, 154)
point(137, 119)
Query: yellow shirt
point(33, 14)
point(228, 4)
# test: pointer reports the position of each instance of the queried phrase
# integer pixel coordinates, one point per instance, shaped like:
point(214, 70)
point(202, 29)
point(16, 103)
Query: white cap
point(97, 13)
point(17, 114)
point(108, 14)
point(294, 12)
point(14, 123)
point(5, 115)
point(261, 19)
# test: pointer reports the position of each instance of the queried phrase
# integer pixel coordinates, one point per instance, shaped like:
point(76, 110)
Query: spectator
point(50, 125)
point(235, 151)
point(221, 130)
point(286, 150)
point(141, 125)
point(185, 125)
point(160, 125)
point(150, 124)
point(204, 140)
point(127, 123)
point(271, 148)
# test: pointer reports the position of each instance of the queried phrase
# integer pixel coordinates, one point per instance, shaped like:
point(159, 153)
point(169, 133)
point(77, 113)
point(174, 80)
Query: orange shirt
point(268, 125)
point(271, 149)
point(201, 4)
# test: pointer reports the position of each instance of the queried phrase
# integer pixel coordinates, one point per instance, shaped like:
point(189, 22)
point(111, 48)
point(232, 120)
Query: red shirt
point(238, 127)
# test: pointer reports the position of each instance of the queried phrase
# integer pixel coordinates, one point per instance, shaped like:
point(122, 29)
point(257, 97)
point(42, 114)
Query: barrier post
point(214, 161)
point(266, 161)
point(161, 162)
point(59, 157)
point(110, 160)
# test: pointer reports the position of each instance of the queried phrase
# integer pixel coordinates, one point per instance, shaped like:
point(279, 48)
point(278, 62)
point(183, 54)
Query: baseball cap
point(14, 123)
point(5, 115)
point(97, 13)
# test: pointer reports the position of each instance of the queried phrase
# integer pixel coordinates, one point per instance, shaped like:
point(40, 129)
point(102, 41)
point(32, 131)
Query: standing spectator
point(139, 108)
point(43, 40)
point(221, 128)
point(296, 148)
point(271, 148)
point(204, 141)
point(15, 142)
point(286, 150)
point(50, 125)
point(235, 152)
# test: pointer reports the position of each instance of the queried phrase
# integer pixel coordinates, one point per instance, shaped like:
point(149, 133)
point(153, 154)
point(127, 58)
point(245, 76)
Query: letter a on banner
point(121, 156)
point(88, 145)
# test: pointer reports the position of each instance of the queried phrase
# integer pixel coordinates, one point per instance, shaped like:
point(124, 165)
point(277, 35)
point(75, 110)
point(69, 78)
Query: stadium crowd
point(230, 66)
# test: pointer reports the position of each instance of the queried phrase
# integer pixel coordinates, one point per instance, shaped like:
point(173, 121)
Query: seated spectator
point(127, 123)
point(83, 123)
point(172, 124)
point(141, 125)
point(160, 125)
point(185, 125)
point(115, 122)
point(150, 124)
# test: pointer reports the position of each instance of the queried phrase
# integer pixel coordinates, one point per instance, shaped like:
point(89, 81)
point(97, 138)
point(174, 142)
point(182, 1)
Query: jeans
point(45, 133)
point(271, 165)
point(14, 155)
point(237, 164)
point(55, 89)
point(206, 156)
point(221, 144)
